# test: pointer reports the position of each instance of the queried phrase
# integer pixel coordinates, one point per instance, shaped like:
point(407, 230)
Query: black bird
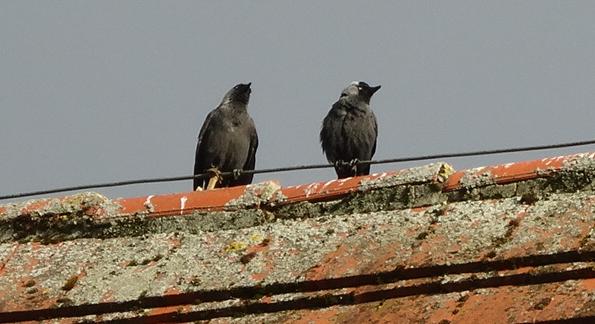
point(349, 130)
point(227, 141)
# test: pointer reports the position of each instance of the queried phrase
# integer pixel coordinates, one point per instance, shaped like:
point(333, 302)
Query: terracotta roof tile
point(508, 243)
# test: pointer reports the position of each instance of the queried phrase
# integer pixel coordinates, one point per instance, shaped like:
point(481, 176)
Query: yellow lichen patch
point(445, 171)
point(235, 246)
point(256, 238)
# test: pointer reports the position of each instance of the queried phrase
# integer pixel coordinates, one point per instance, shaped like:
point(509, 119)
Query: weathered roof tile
point(509, 243)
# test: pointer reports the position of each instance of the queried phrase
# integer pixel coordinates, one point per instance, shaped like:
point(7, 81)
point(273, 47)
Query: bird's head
point(359, 90)
point(240, 93)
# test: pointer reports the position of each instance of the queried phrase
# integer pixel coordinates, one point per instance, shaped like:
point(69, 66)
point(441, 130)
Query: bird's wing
point(201, 164)
point(331, 131)
point(205, 125)
point(251, 159)
point(375, 134)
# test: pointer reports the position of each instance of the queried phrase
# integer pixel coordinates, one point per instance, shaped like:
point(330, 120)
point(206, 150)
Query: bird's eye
point(359, 88)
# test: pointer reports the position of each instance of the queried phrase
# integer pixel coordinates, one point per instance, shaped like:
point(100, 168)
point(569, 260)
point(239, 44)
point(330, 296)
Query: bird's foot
point(353, 164)
point(214, 179)
point(237, 173)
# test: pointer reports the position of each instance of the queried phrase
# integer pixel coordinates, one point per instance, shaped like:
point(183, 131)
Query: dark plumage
point(349, 130)
point(227, 139)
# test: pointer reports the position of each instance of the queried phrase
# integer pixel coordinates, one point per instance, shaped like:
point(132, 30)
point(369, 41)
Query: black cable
point(300, 167)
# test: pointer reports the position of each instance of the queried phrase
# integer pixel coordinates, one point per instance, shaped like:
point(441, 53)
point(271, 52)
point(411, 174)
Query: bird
point(349, 130)
point(227, 141)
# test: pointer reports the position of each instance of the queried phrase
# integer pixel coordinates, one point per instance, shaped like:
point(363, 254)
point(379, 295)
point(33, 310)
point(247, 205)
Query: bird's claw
point(237, 173)
point(353, 164)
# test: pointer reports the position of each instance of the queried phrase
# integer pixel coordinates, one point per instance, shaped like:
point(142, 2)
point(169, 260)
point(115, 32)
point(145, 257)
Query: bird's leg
point(214, 179)
point(237, 173)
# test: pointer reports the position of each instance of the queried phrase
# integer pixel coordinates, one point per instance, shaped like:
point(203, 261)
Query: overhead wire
point(299, 167)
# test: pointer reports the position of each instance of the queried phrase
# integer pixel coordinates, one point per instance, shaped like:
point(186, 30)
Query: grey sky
point(95, 91)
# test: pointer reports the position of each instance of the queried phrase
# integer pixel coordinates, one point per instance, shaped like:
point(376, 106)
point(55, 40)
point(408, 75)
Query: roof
point(506, 243)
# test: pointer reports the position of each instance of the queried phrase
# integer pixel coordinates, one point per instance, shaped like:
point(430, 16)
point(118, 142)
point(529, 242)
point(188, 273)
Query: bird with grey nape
point(227, 141)
point(349, 131)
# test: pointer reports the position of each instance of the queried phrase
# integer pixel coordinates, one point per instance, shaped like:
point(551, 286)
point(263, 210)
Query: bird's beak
point(249, 84)
point(374, 89)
